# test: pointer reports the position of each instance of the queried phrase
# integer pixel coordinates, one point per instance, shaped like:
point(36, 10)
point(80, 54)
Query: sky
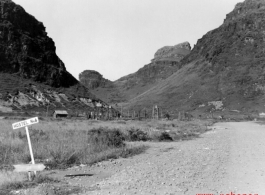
point(117, 37)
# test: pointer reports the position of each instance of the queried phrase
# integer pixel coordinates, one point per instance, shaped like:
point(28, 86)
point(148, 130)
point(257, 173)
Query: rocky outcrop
point(93, 79)
point(172, 53)
point(25, 48)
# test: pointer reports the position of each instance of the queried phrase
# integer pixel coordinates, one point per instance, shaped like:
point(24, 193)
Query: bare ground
point(230, 158)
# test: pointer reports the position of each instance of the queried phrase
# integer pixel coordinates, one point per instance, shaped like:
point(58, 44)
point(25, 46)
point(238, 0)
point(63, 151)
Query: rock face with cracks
point(25, 48)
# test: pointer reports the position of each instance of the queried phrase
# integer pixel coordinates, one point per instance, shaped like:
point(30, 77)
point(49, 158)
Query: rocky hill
point(224, 72)
point(32, 76)
point(166, 61)
point(93, 79)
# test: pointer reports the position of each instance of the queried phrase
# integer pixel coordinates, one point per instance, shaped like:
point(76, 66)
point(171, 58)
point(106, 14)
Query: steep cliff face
point(166, 61)
point(32, 77)
point(240, 38)
point(226, 66)
point(25, 48)
point(235, 52)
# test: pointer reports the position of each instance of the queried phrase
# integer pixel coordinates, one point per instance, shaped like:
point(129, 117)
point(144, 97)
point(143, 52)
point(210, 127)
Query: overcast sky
point(117, 37)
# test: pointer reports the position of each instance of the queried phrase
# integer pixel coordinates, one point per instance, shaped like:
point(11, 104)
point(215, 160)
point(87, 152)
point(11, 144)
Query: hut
point(60, 114)
point(262, 115)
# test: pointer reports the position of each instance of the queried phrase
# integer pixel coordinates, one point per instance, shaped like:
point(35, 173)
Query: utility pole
point(155, 112)
point(47, 110)
point(179, 117)
point(108, 114)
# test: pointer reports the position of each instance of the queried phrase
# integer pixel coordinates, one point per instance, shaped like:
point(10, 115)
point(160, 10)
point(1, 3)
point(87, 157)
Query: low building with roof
point(60, 114)
point(262, 115)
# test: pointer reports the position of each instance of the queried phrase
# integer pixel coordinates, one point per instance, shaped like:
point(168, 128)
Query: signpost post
point(34, 167)
point(109, 112)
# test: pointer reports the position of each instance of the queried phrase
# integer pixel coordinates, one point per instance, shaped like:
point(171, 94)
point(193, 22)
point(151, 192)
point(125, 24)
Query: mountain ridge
point(224, 71)
point(166, 61)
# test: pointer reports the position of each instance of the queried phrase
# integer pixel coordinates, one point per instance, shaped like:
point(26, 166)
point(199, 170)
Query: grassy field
point(61, 144)
point(68, 142)
point(62, 141)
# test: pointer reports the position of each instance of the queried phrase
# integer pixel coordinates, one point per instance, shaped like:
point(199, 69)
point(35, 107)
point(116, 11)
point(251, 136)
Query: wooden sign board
point(25, 123)
point(29, 167)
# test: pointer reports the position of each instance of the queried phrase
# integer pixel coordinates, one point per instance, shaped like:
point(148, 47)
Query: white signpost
point(34, 167)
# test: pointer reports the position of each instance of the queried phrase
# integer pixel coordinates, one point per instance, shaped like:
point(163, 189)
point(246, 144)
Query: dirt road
point(230, 158)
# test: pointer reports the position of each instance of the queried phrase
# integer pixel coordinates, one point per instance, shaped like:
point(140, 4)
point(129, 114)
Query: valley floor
point(230, 158)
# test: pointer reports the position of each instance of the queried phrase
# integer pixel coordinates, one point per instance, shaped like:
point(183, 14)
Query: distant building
point(262, 115)
point(60, 114)
point(99, 105)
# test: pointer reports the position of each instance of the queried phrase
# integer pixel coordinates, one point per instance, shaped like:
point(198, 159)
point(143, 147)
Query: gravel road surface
point(230, 158)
